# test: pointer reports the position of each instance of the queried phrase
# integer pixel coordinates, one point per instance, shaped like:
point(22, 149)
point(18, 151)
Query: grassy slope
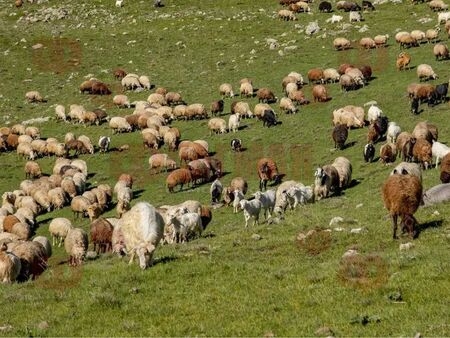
point(227, 283)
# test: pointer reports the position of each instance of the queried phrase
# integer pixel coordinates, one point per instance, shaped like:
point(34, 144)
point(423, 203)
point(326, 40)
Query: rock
point(362, 230)
point(324, 331)
point(134, 290)
point(37, 46)
point(91, 255)
point(273, 45)
point(436, 213)
point(350, 253)
point(418, 335)
point(406, 246)
point(301, 237)
point(336, 220)
point(280, 53)
point(339, 229)
point(363, 29)
point(43, 325)
point(312, 27)
point(6, 328)
point(256, 237)
point(359, 205)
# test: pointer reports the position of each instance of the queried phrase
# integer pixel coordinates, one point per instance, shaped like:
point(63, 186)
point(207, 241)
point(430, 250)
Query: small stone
point(6, 328)
point(350, 253)
point(91, 255)
point(134, 290)
point(359, 205)
point(43, 325)
point(336, 221)
point(37, 46)
point(324, 331)
point(256, 237)
point(436, 213)
point(339, 229)
point(418, 335)
point(406, 246)
point(358, 230)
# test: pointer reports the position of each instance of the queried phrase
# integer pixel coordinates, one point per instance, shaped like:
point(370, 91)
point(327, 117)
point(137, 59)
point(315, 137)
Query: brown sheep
point(423, 92)
point(127, 180)
point(133, 121)
point(100, 88)
point(408, 41)
point(173, 98)
point(217, 107)
point(388, 153)
point(340, 134)
point(119, 73)
point(445, 169)
point(366, 71)
point(86, 86)
point(298, 97)
point(373, 134)
point(187, 154)
point(367, 43)
point(33, 258)
point(9, 222)
point(206, 216)
point(422, 152)
point(403, 60)
point(12, 141)
point(407, 149)
point(426, 130)
point(178, 177)
point(343, 67)
point(150, 141)
point(267, 171)
point(315, 75)
point(320, 94)
point(402, 195)
point(77, 146)
point(101, 235)
point(199, 149)
point(265, 95)
point(161, 161)
point(199, 171)
point(32, 170)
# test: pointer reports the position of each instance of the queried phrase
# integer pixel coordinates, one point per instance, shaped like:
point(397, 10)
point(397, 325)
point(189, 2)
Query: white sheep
point(226, 90)
point(299, 194)
point(184, 223)
point(439, 150)
point(130, 82)
point(87, 143)
point(59, 228)
point(81, 165)
point(142, 228)
point(145, 82)
point(25, 150)
point(425, 72)
point(267, 200)
point(238, 196)
point(373, 113)
point(217, 125)
point(335, 19)
point(234, 122)
point(60, 112)
point(76, 244)
point(443, 17)
point(297, 76)
point(355, 16)
point(393, 131)
point(119, 3)
point(287, 105)
point(251, 209)
point(119, 125)
point(331, 75)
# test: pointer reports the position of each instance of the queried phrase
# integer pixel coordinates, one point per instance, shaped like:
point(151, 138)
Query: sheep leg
point(437, 162)
point(133, 253)
point(394, 226)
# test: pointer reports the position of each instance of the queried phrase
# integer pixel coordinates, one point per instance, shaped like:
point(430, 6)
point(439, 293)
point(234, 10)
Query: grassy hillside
point(228, 283)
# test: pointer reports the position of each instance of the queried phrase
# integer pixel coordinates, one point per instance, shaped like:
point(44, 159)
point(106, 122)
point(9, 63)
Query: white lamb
point(439, 150)
point(393, 131)
point(267, 200)
point(355, 16)
point(184, 223)
point(299, 194)
point(238, 196)
point(251, 209)
point(373, 113)
point(233, 122)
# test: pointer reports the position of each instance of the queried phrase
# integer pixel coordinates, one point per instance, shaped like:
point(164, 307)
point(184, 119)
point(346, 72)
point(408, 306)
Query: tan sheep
point(217, 125)
point(32, 170)
point(34, 96)
point(76, 244)
point(341, 44)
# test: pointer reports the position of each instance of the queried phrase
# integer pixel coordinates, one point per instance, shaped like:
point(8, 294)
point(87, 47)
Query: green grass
point(226, 283)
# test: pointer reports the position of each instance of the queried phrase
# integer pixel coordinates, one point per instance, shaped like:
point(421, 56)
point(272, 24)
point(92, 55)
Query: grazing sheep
point(388, 153)
point(76, 244)
point(438, 95)
point(327, 181)
point(32, 170)
point(265, 95)
point(439, 150)
point(45, 243)
point(101, 235)
point(346, 83)
point(347, 118)
point(298, 194)
point(331, 75)
point(381, 40)
point(237, 183)
point(57, 198)
point(422, 152)
point(119, 73)
point(178, 177)
point(34, 96)
point(103, 143)
point(445, 169)
point(217, 107)
point(425, 72)
point(79, 205)
point(425, 130)
point(121, 101)
point(196, 110)
point(216, 190)
point(403, 61)
point(236, 144)
point(217, 125)
point(437, 194)
point(418, 35)
point(32, 257)
point(145, 82)
point(320, 93)
point(267, 171)
point(269, 118)
point(10, 265)
point(287, 105)
point(267, 200)
point(432, 35)
point(287, 15)
point(246, 90)
point(443, 17)
point(251, 209)
point(340, 134)
point(25, 150)
point(60, 112)
point(393, 131)
point(119, 125)
point(402, 195)
point(100, 88)
point(405, 168)
point(437, 5)
point(186, 224)
point(440, 51)
point(234, 123)
point(344, 169)
point(325, 7)
point(369, 152)
point(161, 161)
point(142, 228)
point(316, 75)
point(367, 43)
point(226, 90)
point(173, 98)
point(341, 44)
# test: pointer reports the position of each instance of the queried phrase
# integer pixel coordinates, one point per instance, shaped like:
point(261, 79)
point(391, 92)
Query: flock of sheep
point(138, 230)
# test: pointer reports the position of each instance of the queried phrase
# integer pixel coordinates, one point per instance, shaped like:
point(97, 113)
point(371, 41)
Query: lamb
point(121, 101)
point(101, 235)
point(76, 244)
point(331, 75)
point(233, 123)
point(34, 96)
point(425, 72)
point(439, 150)
point(161, 161)
point(341, 44)
point(226, 90)
point(237, 197)
point(236, 144)
point(217, 125)
point(32, 257)
point(445, 169)
point(267, 171)
point(440, 51)
point(178, 177)
point(142, 228)
point(103, 143)
point(217, 107)
point(327, 181)
point(403, 61)
point(393, 131)
point(265, 95)
point(10, 265)
point(186, 224)
point(267, 200)
point(340, 134)
point(320, 93)
point(251, 209)
point(422, 152)
point(402, 195)
point(287, 105)
point(388, 153)
point(405, 168)
point(79, 205)
point(335, 19)
point(287, 15)
point(119, 125)
point(216, 190)
point(32, 170)
point(246, 89)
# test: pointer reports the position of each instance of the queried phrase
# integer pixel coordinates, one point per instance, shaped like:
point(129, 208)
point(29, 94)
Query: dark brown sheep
point(422, 152)
point(119, 73)
point(407, 150)
point(265, 95)
point(217, 107)
point(100, 88)
point(178, 177)
point(12, 141)
point(77, 146)
point(267, 171)
point(199, 171)
point(343, 67)
point(445, 169)
point(86, 86)
point(402, 195)
point(315, 75)
point(340, 134)
point(206, 216)
point(366, 71)
point(388, 153)
point(101, 235)
point(373, 135)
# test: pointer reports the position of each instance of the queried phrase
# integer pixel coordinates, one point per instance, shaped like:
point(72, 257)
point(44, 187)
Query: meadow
point(229, 282)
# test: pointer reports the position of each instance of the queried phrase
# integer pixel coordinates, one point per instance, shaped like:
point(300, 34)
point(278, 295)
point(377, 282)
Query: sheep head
point(145, 253)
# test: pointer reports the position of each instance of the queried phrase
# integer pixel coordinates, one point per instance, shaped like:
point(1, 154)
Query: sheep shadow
point(243, 127)
point(354, 183)
point(348, 145)
point(242, 150)
point(43, 221)
point(424, 226)
point(138, 193)
point(164, 260)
